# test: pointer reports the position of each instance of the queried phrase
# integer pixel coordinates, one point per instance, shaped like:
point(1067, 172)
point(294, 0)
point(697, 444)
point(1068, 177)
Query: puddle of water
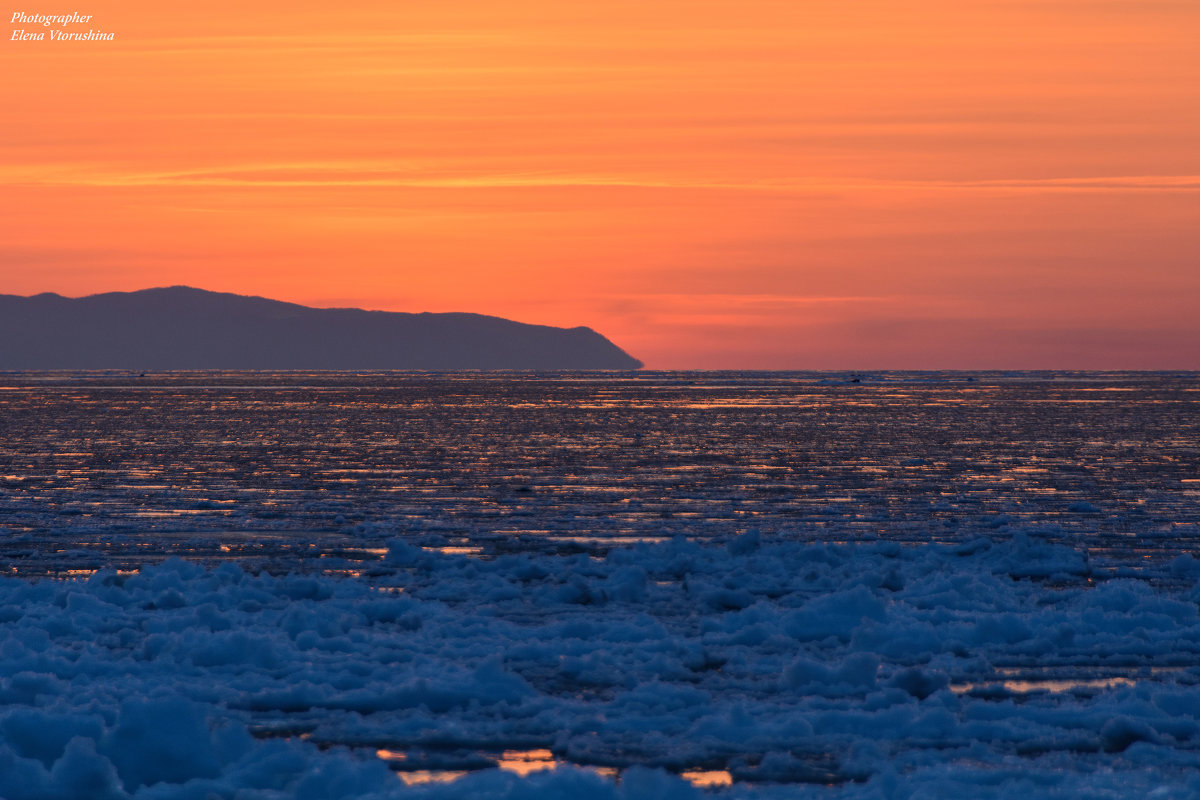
point(412, 777)
point(1050, 685)
point(68, 574)
point(345, 573)
point(524, 762)
point(707, 778)
point(456, 549)
point(609, 540)
point(1066, 685)
point(420, 776)
point(1019, 680)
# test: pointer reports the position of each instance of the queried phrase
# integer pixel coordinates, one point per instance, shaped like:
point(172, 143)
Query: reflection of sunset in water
point(284, 468)
point(421, 776)
point(526, 762)
point(707, 778)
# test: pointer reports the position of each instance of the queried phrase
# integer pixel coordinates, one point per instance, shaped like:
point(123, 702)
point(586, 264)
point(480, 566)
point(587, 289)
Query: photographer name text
point(58, 33)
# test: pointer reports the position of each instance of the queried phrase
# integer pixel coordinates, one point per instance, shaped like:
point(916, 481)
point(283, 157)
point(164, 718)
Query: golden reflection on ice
point(518, 762)
point(420, 776)
point(350, 460)
point(1055, 685)
point(456, 549)
point(85, 572)
point(707, 778)
point(417, 776)
point(523, 762)
point(391, 755)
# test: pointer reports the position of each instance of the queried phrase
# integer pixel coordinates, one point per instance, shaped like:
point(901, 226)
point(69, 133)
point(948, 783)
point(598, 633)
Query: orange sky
point(711, 184)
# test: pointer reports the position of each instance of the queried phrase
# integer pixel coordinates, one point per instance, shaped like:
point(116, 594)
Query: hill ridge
point(182, 327)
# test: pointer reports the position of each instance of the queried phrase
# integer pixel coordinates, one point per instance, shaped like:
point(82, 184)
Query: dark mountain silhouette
point(184, 328)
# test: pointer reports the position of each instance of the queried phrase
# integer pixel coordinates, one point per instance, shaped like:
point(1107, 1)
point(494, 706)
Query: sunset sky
point(710, 184)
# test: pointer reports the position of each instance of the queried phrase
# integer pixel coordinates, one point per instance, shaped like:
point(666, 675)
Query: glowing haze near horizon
point(711, 184)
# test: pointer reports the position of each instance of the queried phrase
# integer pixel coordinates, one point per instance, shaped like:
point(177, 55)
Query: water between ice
point(764, 585)
point(105, 469)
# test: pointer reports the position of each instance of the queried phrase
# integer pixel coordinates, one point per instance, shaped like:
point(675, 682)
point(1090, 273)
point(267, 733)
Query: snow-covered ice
point(778, 668)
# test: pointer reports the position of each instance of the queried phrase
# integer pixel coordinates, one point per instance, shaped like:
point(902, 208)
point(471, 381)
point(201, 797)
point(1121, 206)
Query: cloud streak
point(422, 175)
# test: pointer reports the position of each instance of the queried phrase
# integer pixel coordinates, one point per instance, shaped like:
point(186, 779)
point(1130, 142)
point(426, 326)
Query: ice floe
point(761, 667)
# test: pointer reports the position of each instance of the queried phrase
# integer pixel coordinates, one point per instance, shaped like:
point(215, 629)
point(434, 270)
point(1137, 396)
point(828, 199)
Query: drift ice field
point(883, 585)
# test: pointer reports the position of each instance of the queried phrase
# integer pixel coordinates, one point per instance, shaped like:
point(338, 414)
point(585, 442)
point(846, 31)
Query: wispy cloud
point(419, 174)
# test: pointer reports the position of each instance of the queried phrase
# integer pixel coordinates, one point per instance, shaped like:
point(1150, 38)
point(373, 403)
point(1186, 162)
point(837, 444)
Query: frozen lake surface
point(882, 585)
point(116, 469)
